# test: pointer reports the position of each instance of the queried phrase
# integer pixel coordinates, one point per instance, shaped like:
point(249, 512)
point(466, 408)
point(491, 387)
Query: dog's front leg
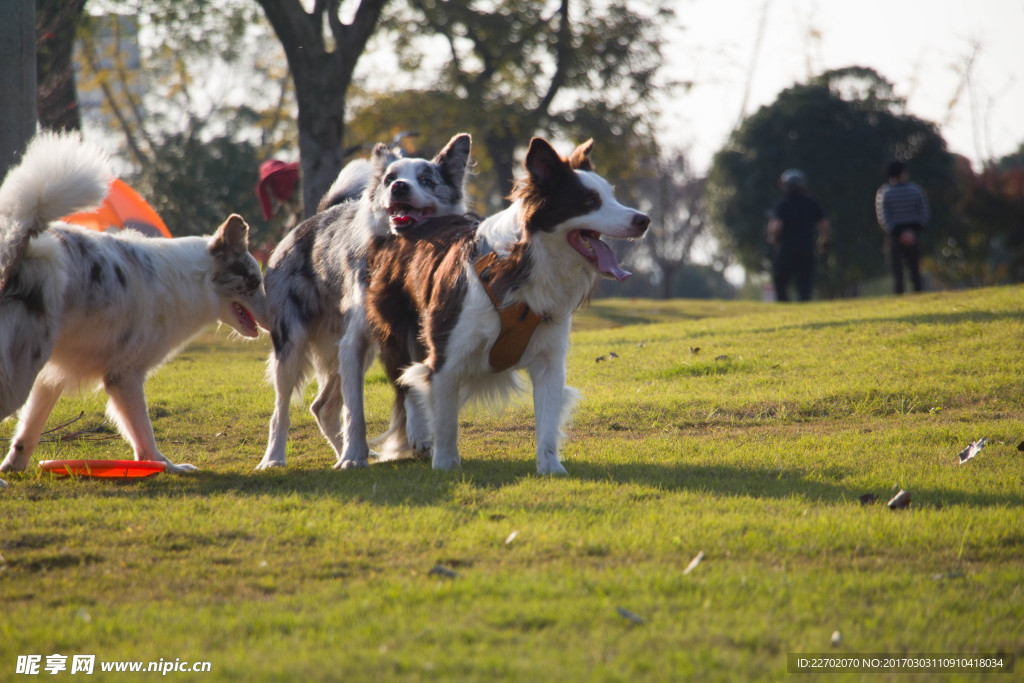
point(285, 374)
point(31, 421)
point(549, 407)
point(444, 397)
point(128, 409)
point(354, 355)
point(417, 427)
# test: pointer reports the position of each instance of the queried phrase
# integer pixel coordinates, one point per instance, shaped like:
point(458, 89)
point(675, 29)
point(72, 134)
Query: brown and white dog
point(458, 308)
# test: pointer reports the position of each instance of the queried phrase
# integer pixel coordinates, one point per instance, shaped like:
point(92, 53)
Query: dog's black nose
point(400, 189)
point(640, 222)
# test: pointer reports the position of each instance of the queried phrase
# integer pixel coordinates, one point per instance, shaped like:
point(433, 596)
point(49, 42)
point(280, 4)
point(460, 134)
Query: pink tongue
point(606, 261)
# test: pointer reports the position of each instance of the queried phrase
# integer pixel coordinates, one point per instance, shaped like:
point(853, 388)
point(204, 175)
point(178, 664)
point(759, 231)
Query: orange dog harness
point(517, 321)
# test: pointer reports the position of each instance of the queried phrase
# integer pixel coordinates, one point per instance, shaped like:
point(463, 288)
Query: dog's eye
point(427, 182)
point(592, 202)
point(389, 178)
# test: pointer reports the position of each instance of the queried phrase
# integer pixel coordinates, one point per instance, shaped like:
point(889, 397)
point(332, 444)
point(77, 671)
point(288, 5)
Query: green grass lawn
point(743, 431)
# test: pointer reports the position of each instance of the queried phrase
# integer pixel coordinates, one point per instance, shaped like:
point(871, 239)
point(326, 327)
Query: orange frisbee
point(107, 469)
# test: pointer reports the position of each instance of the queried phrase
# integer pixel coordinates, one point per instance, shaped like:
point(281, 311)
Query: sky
point(921, 46)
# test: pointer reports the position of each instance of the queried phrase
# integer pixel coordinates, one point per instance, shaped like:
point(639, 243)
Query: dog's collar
point(518, 322)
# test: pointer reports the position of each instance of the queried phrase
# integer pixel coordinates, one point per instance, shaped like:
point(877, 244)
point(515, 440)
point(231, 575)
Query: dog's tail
point(394, 443)
point(417, 377)
point(349, 185)
point(58, 175)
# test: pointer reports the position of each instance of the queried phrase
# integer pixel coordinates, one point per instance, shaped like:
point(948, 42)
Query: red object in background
point(277, 180)
point(122, 208)
point(105, 469)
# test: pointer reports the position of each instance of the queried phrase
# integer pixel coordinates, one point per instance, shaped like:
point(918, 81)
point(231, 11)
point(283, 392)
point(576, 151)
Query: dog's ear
point(232, 237)
point(543, 163)
point(381, 157)
point(579, 160)
point(454, 158)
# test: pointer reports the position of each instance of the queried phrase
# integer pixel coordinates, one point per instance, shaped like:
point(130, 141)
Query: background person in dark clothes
point(902, 211)
point(797, 229)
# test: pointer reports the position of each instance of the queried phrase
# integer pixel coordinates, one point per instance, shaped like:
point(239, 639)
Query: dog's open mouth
point(404, 216)
point(246, 322)
point(589, 244)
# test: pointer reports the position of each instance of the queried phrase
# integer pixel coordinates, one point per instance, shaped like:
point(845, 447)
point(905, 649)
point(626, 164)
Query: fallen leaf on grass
point(442, 571)
point(693, 563)
point(951, 574)
point(972, 450)
point(632, 616)
point(867, 498)
point(900, 501)
point(511, 537)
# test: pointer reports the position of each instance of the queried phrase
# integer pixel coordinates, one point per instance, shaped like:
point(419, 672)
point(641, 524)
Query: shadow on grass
point(767, 483)
point(953, 318)
point(415, 484)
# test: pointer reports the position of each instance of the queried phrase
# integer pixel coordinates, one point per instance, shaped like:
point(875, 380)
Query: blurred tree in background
point(322, 51)
point(840, 129)
point(199, 102)
point(986, 246)
point(57, 23)
point(200, 93)
point(675, 198)
point(512, 69)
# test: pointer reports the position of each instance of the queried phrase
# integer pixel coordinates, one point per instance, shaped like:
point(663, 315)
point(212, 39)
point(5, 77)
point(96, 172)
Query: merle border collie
point(79, 307)
point(458, 308)
point(316, 288)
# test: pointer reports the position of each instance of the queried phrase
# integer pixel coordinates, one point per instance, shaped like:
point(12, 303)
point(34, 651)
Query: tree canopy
point(159, 75)
point(512, 69)
point(840, 129)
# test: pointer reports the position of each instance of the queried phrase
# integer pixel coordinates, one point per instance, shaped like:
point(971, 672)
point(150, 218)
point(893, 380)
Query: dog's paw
point(351, 464)
point(422, 450)
point(11, 466)
point(267, 464)
point(181, 468)
point(446, 462)
point(551, 468)
point(355, 455)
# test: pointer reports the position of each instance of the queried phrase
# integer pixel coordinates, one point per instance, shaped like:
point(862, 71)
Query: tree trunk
point(56, 25)
point(321, 127)
point(17, 80)
point(321, 78)
point(668, 280)
point(501, 146)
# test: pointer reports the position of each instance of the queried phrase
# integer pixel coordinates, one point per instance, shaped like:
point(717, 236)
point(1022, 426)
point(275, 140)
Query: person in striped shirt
point(902, 210)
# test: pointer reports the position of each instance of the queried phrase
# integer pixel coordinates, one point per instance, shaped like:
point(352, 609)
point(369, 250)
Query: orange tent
point(123, 208)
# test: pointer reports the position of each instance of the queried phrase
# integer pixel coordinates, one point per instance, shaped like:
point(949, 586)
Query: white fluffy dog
point(80, 308)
